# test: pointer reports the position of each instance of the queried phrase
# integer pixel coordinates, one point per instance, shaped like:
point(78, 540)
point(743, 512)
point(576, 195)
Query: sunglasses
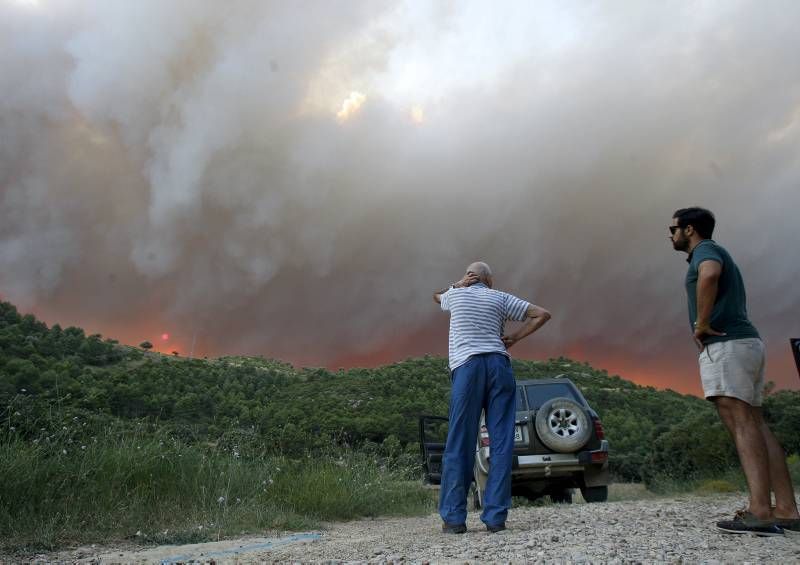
point(673, 229)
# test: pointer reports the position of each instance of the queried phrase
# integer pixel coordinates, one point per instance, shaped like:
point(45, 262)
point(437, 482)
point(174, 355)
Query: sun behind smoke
point(351, 105)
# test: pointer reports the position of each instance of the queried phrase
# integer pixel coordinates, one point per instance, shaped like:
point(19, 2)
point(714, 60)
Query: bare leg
point(779, 477)
point(745, 428)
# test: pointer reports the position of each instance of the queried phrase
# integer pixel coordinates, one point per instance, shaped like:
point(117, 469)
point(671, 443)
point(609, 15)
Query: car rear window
point(539, 394)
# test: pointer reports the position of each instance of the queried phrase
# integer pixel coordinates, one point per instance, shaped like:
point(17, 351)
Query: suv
point(559, 445)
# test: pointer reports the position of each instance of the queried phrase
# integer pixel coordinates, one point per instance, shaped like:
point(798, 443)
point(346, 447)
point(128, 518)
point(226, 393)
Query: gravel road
point(671, 530)
point(679, 529)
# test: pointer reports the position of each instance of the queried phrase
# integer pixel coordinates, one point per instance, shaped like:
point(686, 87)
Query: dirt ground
point(676, 530)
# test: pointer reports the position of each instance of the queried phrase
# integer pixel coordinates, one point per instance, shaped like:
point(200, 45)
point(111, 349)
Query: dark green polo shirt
point(729, 314)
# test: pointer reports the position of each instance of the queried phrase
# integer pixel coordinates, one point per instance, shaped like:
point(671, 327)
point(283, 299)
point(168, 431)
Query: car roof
point(556, 379)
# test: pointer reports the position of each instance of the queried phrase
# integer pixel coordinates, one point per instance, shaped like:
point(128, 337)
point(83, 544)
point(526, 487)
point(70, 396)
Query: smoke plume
point(294, 179)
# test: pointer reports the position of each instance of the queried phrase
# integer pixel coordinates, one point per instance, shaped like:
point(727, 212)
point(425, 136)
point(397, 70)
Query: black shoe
point(495, 529)
point(454, 528)
point(789, 525)
point(746, 523)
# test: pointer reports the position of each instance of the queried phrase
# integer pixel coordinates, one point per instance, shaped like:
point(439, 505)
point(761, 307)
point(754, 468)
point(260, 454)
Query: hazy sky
point(294, 179)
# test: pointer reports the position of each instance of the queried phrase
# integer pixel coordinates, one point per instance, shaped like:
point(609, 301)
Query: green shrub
point(730, 480)
point(694, 449)
point(56, 493)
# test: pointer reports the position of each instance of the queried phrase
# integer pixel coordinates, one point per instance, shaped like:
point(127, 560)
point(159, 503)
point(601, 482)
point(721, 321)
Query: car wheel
point(595, 494)
point(563, 425)
point(561, 496)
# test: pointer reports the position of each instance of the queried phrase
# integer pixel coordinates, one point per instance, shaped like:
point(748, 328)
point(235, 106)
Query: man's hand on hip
point(508, 341)
point(702, 330)
point(536, 318)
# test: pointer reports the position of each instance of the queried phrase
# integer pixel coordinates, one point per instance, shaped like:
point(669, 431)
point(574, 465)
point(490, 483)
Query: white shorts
point(734, 368)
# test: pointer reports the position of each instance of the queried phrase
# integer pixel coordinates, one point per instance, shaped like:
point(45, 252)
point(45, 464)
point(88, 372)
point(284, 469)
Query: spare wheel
point(563, 425)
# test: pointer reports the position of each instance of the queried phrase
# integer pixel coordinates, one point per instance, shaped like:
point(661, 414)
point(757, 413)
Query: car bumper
point(560, 463)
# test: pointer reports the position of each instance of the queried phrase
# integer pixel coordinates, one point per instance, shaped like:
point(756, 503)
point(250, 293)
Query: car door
point(432, 438)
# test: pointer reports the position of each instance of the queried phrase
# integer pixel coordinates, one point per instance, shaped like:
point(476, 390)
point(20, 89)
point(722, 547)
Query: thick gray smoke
point(294, 179)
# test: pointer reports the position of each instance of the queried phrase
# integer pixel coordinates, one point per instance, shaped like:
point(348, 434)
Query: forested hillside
point(51, 377)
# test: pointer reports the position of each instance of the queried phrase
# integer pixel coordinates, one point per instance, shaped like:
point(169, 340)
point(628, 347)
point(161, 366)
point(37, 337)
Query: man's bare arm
point(536, 317)
point(708, 274)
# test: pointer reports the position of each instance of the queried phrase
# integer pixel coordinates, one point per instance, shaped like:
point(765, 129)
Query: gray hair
point(481, 269)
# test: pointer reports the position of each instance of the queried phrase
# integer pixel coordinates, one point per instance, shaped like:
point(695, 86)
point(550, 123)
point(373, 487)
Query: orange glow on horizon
point(133, 333)
point(666, 372)
point(416, 344)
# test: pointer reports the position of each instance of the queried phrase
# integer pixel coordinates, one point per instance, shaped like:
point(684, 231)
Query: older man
point(482, 380)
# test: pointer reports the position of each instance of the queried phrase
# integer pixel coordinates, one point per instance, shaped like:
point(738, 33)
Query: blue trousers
point(484, 382)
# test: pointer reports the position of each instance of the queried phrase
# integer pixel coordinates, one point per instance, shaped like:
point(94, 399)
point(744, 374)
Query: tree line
point(50, 376)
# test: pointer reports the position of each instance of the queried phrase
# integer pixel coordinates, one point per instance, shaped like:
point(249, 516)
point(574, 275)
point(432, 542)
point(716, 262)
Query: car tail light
point(598, 429)
point(599, 456)
point(484, 435)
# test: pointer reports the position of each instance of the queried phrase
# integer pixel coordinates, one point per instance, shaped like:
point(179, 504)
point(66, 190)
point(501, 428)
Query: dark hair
point(700, 219)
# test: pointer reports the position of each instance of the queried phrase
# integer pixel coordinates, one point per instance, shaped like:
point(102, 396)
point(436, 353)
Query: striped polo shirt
point(477, 317)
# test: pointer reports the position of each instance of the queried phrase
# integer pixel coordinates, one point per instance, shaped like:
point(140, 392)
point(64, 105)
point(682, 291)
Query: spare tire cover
point(563, 425)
